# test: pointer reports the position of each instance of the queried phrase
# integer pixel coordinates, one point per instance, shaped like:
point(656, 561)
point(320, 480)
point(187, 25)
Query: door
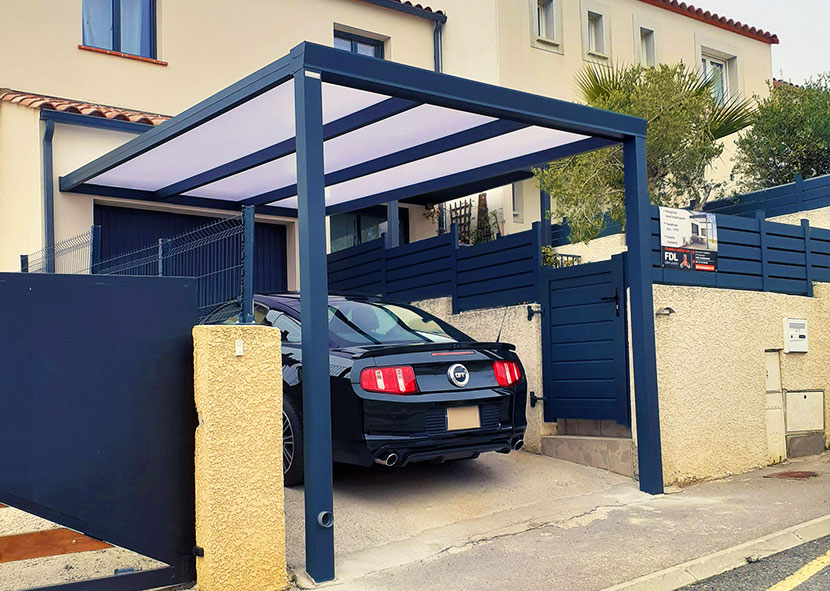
point(584, 344)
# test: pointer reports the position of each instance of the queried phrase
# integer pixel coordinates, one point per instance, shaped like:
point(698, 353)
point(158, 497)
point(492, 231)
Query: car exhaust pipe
point(518, 444)
point(389, 459)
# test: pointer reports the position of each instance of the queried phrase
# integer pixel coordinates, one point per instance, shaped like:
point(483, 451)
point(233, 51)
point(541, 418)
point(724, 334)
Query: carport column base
point(240, 518)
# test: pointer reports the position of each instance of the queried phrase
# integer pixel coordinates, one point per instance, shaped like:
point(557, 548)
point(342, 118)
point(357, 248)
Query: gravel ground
point(52, 570)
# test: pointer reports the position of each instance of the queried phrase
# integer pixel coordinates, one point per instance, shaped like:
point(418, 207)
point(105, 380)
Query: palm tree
point(596, 83)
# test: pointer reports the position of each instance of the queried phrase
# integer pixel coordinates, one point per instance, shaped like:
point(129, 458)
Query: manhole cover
point(793, 475)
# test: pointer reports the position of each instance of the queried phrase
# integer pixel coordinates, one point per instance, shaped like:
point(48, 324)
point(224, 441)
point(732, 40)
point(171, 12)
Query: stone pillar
point(240, 518)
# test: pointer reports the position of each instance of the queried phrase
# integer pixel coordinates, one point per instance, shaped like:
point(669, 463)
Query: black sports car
point(405, 385)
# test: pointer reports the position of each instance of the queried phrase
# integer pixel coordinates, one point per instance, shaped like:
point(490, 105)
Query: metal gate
point(97, 421)
point(584, 344)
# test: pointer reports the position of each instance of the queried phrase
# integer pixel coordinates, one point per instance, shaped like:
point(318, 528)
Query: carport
point(322, 131)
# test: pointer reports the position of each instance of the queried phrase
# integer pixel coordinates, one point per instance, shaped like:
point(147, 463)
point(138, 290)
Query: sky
point(802, 26)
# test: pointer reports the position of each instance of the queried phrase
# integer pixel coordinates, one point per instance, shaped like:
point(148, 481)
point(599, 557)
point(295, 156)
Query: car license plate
point(463, 417)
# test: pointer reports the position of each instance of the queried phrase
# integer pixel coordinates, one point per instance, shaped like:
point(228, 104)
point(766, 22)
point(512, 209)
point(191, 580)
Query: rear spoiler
point(415, 348)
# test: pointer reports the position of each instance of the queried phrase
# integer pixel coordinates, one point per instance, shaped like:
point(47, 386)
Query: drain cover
point(793, 475)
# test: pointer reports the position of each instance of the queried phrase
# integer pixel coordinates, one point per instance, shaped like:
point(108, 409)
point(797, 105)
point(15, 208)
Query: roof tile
point(39, 101)
point(715, 19)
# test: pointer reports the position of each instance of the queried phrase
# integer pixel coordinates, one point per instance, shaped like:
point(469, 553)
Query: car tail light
point(391, 380)
point(507, 372)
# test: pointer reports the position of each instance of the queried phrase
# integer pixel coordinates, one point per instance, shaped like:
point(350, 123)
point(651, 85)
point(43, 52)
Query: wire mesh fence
point(215, 255)
point(70, 256)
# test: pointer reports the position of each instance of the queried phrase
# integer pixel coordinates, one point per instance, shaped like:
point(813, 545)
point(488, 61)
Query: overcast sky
point(802, 26)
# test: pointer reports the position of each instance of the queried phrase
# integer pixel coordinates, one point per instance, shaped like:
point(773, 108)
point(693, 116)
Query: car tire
point(292, 443)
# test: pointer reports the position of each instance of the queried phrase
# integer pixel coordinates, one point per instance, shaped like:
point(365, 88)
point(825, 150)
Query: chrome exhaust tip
point(518, 444)
point(389, 459)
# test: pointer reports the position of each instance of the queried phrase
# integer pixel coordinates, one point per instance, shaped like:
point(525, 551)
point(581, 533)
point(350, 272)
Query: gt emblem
point(458, 375)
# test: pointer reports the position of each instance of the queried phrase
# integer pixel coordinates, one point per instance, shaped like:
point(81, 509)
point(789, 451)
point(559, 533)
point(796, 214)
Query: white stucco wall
point(711, 373)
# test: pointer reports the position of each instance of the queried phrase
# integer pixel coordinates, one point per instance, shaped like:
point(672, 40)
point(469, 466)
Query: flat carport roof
point(322, 131)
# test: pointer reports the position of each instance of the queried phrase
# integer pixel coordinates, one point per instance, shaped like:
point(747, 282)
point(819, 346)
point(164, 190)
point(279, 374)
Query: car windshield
point(375, 323)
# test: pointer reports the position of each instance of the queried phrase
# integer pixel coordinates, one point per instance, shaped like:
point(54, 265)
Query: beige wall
point(240, 518)
point(711, 373)
point(819, 218)
point(208, 45)
point(483, 325)
point(21, 204)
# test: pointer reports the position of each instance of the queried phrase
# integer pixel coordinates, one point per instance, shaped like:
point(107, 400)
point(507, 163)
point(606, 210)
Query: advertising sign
point(688, 240)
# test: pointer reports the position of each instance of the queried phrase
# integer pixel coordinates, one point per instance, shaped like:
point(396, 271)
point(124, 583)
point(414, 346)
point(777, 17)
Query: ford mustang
point(405, 385)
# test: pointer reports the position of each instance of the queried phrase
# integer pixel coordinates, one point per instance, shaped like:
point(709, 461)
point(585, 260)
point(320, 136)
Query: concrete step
point(615, 454)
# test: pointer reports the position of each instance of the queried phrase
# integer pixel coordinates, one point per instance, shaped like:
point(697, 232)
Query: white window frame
point(706, 47)
point(517, 202)
point(641, 22)
point(648, 47)
point(596, 50)
point(707, 63)
point(551, 37)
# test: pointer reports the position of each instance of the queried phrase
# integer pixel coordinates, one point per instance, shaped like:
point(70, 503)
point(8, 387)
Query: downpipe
point(387, 459)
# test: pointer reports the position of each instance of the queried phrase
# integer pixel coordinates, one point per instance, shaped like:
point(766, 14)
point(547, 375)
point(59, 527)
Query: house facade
point(81, 77)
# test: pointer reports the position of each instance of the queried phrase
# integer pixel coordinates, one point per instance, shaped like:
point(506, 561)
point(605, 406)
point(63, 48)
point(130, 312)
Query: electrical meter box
point(795, 335)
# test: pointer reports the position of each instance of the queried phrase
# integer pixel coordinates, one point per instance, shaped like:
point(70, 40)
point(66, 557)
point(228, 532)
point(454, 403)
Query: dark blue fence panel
point(359, 269)
point(98, 418)
point(499, 273)
point(423, 269)
point(755, 254)
point(781, 200)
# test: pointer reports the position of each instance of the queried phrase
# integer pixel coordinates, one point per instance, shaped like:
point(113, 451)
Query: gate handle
point(616, 299)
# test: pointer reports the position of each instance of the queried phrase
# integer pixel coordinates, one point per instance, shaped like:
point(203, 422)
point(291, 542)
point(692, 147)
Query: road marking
point(802, 574)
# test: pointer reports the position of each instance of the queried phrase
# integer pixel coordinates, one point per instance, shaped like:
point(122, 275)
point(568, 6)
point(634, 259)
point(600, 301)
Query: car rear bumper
point(448, 447)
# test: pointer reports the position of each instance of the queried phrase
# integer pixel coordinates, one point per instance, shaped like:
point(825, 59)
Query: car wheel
point(292, 443)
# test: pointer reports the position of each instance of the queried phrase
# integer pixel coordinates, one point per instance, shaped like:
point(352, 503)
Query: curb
point(710, 565)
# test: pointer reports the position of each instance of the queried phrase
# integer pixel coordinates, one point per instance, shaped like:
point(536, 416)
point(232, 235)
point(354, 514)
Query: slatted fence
point(755, 254)
point(799, 195)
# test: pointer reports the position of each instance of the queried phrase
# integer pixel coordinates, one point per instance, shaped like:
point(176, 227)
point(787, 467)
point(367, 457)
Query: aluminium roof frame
point(309, 66)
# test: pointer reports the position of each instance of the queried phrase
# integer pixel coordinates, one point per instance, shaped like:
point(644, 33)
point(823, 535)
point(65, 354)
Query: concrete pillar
point(240, 519)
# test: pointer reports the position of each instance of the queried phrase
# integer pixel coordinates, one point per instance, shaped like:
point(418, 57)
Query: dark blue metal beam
point(351, 122)
point(480, 174)
point(641, 306)
point(319, 518)
point(249, 87)
point(139, 195)
point(403, 81)
point(439, 146)
point(545, 217)
point(94, 122)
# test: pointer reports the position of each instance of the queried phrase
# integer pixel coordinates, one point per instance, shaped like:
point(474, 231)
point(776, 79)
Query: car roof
point(291, 299)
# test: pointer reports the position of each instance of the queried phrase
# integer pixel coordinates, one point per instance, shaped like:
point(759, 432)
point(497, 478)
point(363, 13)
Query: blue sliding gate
point(584, 343)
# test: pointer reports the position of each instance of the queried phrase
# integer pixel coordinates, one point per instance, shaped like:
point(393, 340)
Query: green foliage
point(790, 135)
point(684, 124)
point(551, 258)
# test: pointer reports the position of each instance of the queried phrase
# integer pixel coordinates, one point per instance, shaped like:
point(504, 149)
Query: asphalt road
point(769, 572)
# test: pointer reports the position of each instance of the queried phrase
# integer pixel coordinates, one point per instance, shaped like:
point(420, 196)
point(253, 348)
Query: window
point(647, 53)
point(358, 44)
point(546, 20)
point(128, 26)
point(596, 37)
point(716, 69)
point(350, 229)
point(290, 330)
point(518, 202)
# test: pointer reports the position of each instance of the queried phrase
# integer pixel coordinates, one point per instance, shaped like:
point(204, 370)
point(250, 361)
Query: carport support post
point(319, 533)
point(545, 217)
point(248, 228)
point(641, 306)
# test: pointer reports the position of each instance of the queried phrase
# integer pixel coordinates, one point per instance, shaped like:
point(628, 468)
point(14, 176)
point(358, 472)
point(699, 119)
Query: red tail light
point(507, 372)
point(391, 380)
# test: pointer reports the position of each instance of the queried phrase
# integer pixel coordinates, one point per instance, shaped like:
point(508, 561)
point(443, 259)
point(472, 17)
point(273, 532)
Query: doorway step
point(601, 444)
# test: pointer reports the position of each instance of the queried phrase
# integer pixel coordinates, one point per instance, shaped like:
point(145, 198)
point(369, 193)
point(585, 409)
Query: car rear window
point(375, 323)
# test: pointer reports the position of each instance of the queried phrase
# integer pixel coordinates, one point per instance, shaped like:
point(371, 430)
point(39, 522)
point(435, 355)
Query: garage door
point(124, 229)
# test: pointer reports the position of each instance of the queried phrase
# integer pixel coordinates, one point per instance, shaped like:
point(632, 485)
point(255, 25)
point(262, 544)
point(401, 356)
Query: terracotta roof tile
point(715, 19)
point(39, 101)
point(419, 6)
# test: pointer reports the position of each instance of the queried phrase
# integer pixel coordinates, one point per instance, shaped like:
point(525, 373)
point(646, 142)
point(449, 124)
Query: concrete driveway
point(386, 518)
